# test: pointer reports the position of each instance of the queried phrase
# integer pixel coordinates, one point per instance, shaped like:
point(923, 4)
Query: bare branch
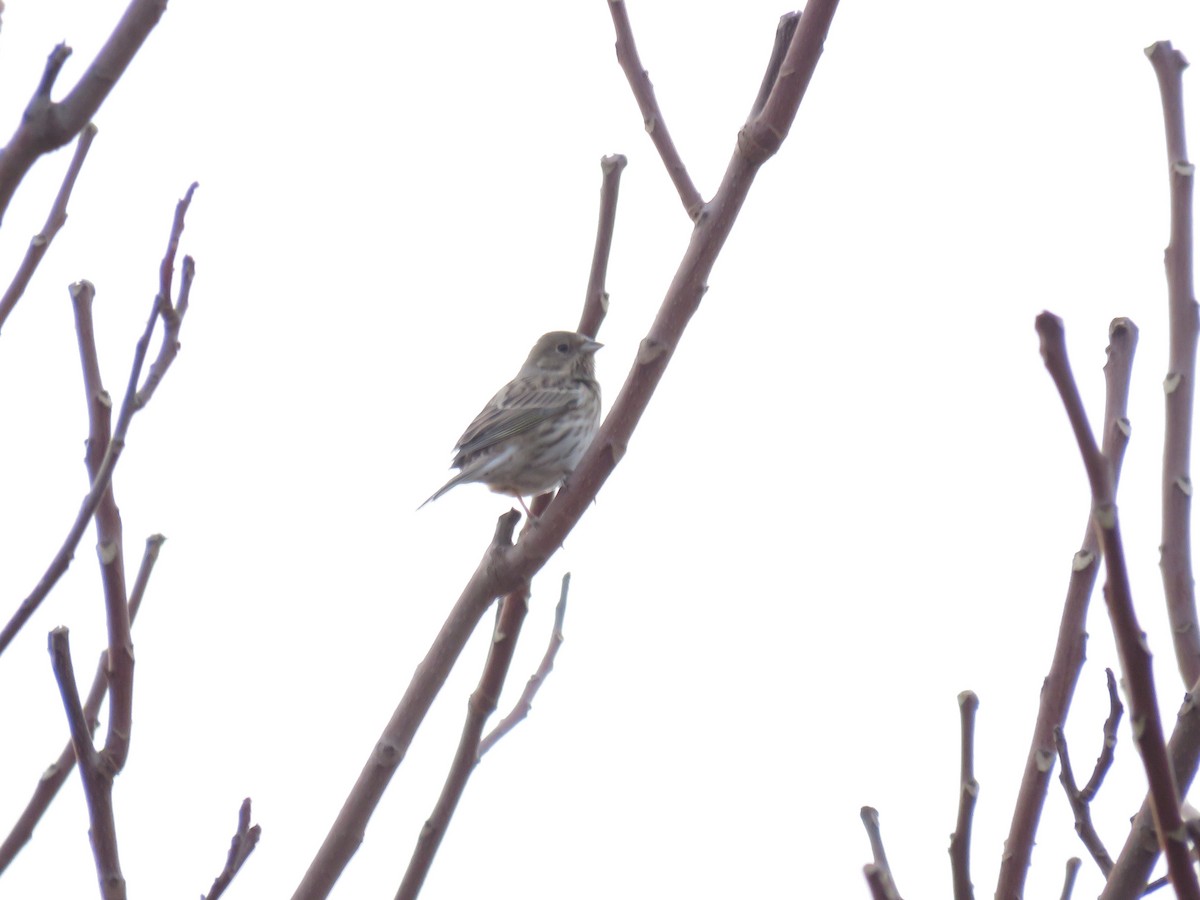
point(1105, 760)
point(103, 474)
point(1130, 639)
point(54, 222)
point(109, 542)
point(880, 883)
point(58, 771)
point(1059, 685)
point(536, 680)
point(595, 303)
point(504, 566)
point(870, 820)
point(1136, 859)
point(480, 706)
point(656, 125)
point(1080, 807)
point(784, 32)
point(960, 840)
point(47, 125)
point(1069, 882)
point(172, 313)
point(245, 839)
point(1179, 386)
point(97, 780)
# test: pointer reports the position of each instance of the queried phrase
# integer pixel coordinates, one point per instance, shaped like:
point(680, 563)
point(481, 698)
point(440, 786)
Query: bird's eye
point(563, 348)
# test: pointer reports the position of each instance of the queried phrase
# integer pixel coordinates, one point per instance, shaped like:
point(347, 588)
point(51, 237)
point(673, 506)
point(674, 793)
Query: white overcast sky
point(854, 495)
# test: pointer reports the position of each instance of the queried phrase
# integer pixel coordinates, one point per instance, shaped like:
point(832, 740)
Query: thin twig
point(479, 707)
point(1108, 749)
point(652, 117)
point(1130, 639)
point(595, 302)
point(784, 32)
point(960, 840)
point(1081, 808)
point(96, 778)
point(522, 707)
point(870, 820)
point(245, 839)
point(58, 771)
point(47, 125)
point(1137, 858)
point(133, 401)
point(505, 566)
point(54, 222)
point(1073, 865)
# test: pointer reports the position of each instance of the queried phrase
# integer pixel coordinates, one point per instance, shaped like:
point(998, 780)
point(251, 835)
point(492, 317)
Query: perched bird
point(533, 433)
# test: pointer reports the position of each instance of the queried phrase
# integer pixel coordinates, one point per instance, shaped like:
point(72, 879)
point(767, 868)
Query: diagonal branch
point(480, 706)
point(1130, 639)
point(506, 566)
point(1108, 748)
point(48, 125)
point(878, 872)
point(134, 400)
point(58, 771)
point(54, 223)
point(1179, 386)
point(245, 839)
point(1136, 859)
point(1067, 662)
point(522, 707)
point(656, 125)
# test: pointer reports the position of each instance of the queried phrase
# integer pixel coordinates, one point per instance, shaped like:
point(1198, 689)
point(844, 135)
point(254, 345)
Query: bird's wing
point(520, 406)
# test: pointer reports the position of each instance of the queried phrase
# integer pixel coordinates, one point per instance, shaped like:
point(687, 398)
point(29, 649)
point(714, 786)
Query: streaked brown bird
point(533, 433)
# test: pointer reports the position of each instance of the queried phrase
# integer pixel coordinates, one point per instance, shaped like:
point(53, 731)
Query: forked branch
point(47, 124)
point(1131, 646)
point(505, 566)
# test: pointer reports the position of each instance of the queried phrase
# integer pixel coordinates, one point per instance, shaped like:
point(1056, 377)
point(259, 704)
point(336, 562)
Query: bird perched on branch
point(533, 433)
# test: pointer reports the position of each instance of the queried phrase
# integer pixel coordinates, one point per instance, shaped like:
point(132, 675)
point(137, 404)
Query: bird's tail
point(453, 482)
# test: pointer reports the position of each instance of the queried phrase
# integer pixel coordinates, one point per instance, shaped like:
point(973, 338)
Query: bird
point(532, 434)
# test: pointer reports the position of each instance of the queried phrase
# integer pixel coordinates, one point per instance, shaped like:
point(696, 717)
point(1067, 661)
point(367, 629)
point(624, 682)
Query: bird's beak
point(591, 346)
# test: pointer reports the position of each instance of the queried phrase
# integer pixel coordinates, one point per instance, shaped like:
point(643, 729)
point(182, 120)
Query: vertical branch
point(1067, 662)
point(1180, 383)
point(595, 303)
point(109, 536)
point(1069, 881)
point(960, 840)
point(97, 780)
point(1130, 639)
